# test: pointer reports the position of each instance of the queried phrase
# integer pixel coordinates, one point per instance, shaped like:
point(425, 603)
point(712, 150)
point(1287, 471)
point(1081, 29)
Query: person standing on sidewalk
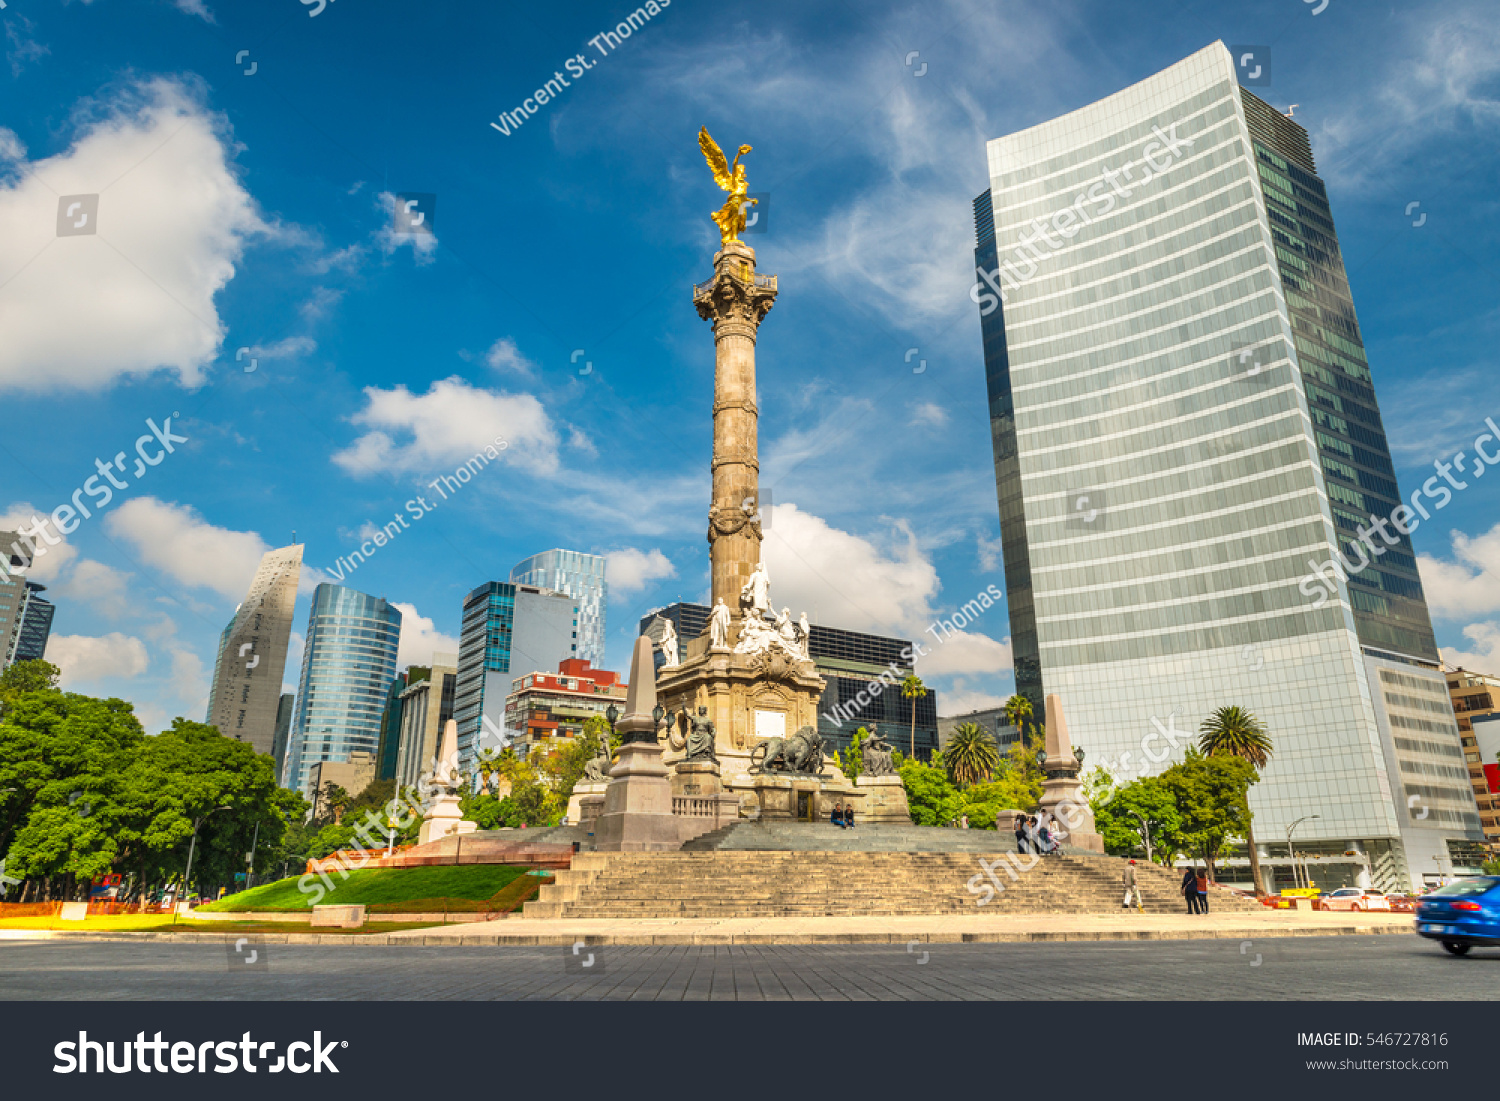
point(1190, 889)
point(1132, 891)
point(1202, 888)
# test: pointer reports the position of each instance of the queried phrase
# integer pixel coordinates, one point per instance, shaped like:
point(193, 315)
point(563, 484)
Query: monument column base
point(637, 815)
point(444, 820)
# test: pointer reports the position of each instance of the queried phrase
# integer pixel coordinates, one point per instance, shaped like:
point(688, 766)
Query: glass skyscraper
point(508, 630)
point(581, 576)
point(1185, 431)
point(347, 669)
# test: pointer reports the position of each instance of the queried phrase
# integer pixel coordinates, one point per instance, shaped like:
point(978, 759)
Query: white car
point(1352, 898)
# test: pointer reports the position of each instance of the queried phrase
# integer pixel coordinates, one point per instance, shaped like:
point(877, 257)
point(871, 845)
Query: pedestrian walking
point(1132, 889)
point(1190, 889)
point(1202, 888)
point(963, 822)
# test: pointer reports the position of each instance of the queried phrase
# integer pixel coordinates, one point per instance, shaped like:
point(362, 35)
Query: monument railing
point(691, 806)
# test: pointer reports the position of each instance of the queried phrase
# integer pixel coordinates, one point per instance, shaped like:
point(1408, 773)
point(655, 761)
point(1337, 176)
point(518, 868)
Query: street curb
point(522, 940)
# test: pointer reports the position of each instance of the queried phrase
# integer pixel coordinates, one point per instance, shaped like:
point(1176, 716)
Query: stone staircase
point(748, 835)
point(752, 883)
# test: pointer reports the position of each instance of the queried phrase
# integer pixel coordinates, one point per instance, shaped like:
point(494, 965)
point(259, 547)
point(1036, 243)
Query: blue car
point(1462, 914)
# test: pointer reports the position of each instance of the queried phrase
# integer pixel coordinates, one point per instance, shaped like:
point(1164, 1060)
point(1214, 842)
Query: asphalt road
point(1306, 968)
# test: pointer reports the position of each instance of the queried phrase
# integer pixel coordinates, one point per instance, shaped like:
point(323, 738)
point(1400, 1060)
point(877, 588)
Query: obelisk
point(735, 300)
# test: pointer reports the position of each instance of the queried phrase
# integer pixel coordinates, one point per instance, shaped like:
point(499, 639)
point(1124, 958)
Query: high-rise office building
point(390, 728)
point(426, 705)
point(246, 689)
point(506, 628)
point(1185, 438)
point(581, 576)
point(851, 664)
point(284, 711)
point(347, 669)
point(15, 560)
point(35, 626)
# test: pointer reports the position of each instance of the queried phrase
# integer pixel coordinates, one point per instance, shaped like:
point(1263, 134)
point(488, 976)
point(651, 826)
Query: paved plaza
point(1391, 967)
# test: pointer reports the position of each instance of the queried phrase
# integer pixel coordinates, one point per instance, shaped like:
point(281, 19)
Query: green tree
point(1235, 732)
point(1209, 793)
point(335, 800)
point(851, 761)
point(1141, 814)
point(971, 755)
point(913, 689)
point(933, 799)
point(1018, 713)
point(22, 677)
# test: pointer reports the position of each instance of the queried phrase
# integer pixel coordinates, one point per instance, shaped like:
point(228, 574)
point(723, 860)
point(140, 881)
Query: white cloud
point(961, 699)
point(12, 148)
point(286, 348)
point(79, 312)
point(990, 553)
point(319, 303)
point(965, 652)
point(195, 7)
point(49, 562)
point(190, 682)
point(630, 570)
point(505, 356)
point(445, 427)
point(420, 638)
point(423, 245)
point(1482, 655)
point(295, 646)
point(20, 47)
point(173, 539)
point(929, 414)
point(846, 580)
point(1469, 586)
point(103, 587)
point(84, 660)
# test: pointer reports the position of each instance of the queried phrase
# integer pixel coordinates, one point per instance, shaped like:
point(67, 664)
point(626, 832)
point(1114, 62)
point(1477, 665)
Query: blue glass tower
point(347, 669)
point(581, 576)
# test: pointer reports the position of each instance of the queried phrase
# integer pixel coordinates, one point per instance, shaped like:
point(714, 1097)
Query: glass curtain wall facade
point(507, 629)
point(581, 576)
point(1162, 480)
point(347, 669)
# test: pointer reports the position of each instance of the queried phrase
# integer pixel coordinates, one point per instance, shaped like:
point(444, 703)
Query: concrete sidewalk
point(939, 929)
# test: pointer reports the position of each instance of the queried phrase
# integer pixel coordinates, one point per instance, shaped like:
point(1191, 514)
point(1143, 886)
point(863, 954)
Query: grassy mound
point(456, 887)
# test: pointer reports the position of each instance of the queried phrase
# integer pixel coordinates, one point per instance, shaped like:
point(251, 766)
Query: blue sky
point(253, 210)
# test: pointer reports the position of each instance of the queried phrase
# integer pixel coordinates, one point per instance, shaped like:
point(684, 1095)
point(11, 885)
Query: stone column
point(637, 813)
point(1062, 794)
point(736, 300)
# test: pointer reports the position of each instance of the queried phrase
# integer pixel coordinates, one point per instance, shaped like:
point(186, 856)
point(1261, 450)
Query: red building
point(556, 705)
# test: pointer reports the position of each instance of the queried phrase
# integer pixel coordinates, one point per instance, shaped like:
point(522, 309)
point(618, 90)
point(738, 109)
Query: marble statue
point(806, 636)
point(701, 738)
point(877, 757)
point(668, 644)
point(755, 595)
point(598, 768)
point(718, 626)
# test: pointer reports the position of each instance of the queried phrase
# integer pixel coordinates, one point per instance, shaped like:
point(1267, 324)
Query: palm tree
point(1235, 732)
point(913, 689)
point(1017, 712)
point(971, 755)
point(336, 799)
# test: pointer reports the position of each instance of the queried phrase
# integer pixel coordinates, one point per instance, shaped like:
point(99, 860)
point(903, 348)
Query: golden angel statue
point(730, 218)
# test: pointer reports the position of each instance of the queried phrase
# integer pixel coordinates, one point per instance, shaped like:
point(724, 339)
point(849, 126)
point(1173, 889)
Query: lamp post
point(192, 847)
point(250, 858)
point(611, 713)
point(1292, 853)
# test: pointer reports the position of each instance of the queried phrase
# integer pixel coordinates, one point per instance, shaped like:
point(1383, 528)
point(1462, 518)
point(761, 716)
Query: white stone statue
point(668, 644)
point(806, 633)
point(786, 628)
point(718, 626)
point(755, 595)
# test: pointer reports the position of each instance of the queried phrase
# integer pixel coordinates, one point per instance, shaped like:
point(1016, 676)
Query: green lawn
point(424, 888)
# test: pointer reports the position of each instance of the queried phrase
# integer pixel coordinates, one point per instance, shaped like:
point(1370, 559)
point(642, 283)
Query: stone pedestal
point(696, 779)
point(584, 790)
point(789, 797)
point(637, 815)
point(885, 801)
point(444, 820)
